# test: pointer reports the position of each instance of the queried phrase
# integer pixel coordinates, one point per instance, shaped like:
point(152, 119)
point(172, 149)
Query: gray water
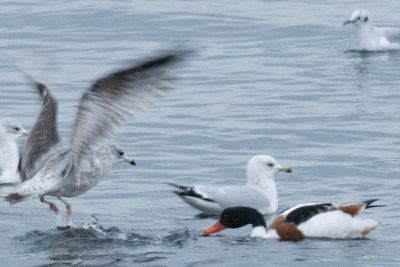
point(269, 77)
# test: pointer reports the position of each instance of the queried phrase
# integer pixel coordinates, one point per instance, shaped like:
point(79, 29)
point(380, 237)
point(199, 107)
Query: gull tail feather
point(10, 194)
point(14, 198)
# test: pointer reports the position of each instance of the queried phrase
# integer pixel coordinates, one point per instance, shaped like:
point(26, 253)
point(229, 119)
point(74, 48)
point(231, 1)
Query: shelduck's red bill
point(215, 228)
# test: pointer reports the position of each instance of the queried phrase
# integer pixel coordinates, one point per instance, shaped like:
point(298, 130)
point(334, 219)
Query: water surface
point(269, 77)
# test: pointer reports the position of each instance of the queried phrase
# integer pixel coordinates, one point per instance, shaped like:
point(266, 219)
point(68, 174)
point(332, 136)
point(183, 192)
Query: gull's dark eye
point(366, 19)
point(270, 164)
point(121, 153)
point(358, 17)
point(16, 128)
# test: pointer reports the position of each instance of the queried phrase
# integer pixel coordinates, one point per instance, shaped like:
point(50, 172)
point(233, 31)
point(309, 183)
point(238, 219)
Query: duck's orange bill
point(215, 228)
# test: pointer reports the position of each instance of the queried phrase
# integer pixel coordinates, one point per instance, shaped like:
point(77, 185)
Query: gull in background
point(10, 132)
point(68, 171)
point(373, 38)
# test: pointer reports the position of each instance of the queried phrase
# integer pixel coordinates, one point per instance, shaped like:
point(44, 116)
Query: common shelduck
point(323, 220)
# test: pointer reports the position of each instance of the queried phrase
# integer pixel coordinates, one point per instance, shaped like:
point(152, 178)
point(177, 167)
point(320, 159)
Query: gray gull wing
point(42, 137)
point(104, 107)
point(392, 34)
point(213, 200)
point(230, 196)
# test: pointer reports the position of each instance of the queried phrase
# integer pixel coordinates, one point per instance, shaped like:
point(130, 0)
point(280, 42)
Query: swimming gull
point(10, 131)
point(80, 165)
point(260, 191)
point(323, 220)
point(371, 37)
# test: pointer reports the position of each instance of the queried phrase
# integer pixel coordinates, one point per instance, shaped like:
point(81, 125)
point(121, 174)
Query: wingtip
point(168, 183)
point(177, 53)
point(181, 187)
point(41, 87)
point(168, 57)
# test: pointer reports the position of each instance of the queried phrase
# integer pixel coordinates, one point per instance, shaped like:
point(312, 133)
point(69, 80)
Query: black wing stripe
point(370, 201)
point(304, 213)
point(181, 187)
point(191, 193)
point(188, 191)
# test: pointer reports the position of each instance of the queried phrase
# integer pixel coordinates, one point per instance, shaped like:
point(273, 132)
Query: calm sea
point(268, 77)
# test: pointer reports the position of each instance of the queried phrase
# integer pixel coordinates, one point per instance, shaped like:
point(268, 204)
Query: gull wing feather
point(392, 34)
point(42, 137)
point(110, 100)
point(230, 196)
point(224, 197)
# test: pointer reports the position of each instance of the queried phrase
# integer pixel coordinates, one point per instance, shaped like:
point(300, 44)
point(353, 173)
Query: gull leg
point(67, 205)
point(51, 204)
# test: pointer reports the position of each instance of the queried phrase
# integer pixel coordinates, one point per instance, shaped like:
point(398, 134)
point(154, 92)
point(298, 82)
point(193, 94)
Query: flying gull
point(77, 167)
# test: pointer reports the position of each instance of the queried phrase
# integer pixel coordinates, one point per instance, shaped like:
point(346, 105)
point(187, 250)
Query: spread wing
point(42, 137)
point(110, 100)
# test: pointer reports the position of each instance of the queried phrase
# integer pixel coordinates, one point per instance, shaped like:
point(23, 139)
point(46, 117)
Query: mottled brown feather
point(43, 135)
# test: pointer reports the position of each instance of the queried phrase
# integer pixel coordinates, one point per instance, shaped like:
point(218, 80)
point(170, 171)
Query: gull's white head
point(114, 154)
point(263, 167)
point(11, 130)
point(359, 18)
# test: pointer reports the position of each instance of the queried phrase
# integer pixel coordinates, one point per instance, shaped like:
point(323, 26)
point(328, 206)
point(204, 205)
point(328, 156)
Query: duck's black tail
point(370, 201)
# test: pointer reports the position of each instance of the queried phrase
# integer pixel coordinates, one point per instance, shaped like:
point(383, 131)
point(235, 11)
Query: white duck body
point(325, 220)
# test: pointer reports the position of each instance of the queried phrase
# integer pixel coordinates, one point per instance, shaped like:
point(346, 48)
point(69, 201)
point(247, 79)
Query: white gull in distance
point(373, 38)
